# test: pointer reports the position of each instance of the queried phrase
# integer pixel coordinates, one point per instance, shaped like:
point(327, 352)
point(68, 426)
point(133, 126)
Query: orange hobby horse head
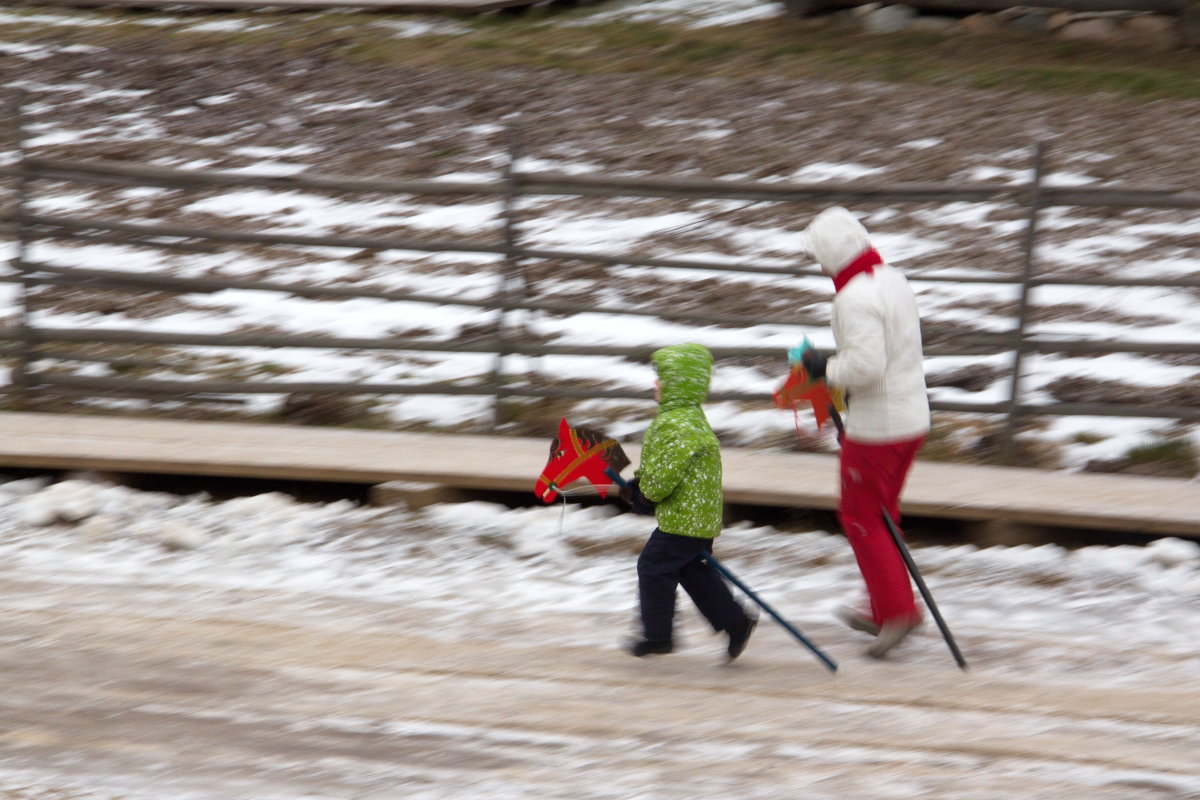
point(799, 388)
point(580, 453)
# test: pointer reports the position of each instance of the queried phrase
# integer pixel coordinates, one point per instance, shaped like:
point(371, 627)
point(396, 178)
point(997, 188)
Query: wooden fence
point(32, 342)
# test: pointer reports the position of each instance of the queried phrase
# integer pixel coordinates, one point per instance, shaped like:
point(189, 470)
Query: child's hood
point(835, 238)
point(685, 371)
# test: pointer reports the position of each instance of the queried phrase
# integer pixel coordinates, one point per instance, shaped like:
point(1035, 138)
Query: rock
point(889, 19)
point(1152, 32)
point(1030, 22)
point(1059, 20)
point(979, 24)
point(1146, 31)
point(1093, 29)
point(1188, 26)
point(1156, 24)
point(863, 10)
point(930, 23)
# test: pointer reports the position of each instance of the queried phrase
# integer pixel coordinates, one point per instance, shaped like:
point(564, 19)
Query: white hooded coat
point(878, 332)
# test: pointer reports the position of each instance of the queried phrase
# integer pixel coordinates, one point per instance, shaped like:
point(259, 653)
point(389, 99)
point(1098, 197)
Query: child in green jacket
point(680, 473)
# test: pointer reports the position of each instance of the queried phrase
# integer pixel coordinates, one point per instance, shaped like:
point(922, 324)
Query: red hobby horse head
point(579, 453)
point(798, 388)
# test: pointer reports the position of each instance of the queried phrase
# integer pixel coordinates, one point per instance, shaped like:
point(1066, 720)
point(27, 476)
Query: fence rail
point(30, 342)
point(544, 183)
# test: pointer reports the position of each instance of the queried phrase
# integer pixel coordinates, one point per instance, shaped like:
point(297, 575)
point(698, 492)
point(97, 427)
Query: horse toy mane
point(580, 452)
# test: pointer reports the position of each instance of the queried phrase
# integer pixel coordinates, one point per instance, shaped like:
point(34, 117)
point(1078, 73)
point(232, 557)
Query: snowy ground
point(263, 648)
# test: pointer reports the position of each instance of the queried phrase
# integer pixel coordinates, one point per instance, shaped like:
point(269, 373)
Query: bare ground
point(423, 121)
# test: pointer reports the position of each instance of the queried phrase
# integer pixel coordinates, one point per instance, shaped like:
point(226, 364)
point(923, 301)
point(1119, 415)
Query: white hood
point(835, 238)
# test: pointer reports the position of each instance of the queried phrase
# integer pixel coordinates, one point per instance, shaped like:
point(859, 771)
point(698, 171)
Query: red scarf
point(866, 262)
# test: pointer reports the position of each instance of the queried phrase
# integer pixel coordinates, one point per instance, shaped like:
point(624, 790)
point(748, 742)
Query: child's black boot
point(647, 647)
point(739, 635)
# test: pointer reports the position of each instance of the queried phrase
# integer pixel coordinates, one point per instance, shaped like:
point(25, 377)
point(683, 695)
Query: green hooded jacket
point(681, 457)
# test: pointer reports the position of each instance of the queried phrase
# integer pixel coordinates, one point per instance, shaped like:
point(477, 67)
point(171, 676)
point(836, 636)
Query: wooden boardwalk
point(752, 477)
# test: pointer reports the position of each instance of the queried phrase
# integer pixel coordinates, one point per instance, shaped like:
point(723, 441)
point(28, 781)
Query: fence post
point(23, 341)
point(510, 271)
point(1008, 449)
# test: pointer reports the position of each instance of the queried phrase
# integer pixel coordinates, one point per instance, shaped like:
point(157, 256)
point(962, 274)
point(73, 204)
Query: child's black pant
point(668, 561)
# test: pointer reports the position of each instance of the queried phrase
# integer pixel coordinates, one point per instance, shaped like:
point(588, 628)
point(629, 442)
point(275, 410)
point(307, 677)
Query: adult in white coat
point(878, 364)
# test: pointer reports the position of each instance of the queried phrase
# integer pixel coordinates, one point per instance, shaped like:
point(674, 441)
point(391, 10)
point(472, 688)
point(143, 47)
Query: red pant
point(872, 477)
